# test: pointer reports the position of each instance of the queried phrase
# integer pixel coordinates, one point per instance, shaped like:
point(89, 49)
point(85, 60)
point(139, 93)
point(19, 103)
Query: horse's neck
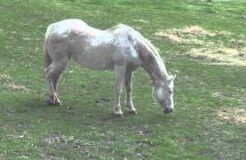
point(152, 62)
point(156, 69)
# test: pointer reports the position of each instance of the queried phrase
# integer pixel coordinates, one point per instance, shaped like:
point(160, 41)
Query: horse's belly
point(98, 61)
point(96, 64)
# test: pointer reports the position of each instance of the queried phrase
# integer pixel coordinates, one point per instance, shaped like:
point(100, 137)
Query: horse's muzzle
point(168, 110)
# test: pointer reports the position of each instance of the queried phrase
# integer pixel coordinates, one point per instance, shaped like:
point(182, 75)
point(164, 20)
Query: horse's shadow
point(100, 115)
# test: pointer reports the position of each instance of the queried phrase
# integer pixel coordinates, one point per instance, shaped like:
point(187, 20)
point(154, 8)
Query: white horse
point(119, 48)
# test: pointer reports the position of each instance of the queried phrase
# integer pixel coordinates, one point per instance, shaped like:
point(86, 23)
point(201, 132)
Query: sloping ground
point(203, 47)
point(209, 117)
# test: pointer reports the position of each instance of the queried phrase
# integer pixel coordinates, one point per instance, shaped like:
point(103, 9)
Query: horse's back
point(91, 47)
point(64, 27)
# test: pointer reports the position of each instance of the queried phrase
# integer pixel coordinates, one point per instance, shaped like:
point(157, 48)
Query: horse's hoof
point(117, 115)
point(133, 112)
point(58, 103)
point(53, 103)
point(50, 102)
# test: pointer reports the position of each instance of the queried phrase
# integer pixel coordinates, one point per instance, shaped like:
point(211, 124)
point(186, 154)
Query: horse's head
point(163, 93)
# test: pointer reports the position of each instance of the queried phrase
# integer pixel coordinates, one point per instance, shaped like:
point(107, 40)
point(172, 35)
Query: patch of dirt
point(233, 115)
point(204, 49)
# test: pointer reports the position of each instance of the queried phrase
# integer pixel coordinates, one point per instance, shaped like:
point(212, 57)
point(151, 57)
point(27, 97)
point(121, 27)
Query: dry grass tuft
point(181, 35)
point(233, 115)
point(141, 20)
point(172, 37)
point(8, 83)
point(4, 77)
point(216, 52)
point(13, 86)
point(195, 30)
point(221, 55)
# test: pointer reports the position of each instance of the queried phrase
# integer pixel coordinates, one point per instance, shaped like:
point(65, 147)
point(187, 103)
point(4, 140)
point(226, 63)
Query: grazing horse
point(120, 48)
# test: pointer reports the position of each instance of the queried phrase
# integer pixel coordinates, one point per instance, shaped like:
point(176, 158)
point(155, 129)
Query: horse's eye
point(170, 92)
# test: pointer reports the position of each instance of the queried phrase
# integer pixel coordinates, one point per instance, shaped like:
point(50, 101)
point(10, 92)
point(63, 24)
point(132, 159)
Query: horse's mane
point(145, 45)
point(149, 53)
point(151, 46)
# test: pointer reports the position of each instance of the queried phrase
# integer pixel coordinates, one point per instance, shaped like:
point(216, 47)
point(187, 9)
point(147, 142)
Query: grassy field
point(203, 43)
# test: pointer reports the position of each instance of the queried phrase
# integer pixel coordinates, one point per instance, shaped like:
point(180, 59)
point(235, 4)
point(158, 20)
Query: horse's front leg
point(128, 85)
point(119, 72)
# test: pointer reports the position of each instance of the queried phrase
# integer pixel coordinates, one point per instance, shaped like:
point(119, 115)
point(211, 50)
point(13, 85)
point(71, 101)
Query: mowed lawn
point(203, 43)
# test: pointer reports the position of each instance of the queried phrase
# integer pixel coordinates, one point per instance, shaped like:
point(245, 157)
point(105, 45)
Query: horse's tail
point(47, 59)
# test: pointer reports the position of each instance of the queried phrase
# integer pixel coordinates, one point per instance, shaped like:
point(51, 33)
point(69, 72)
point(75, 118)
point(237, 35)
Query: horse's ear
point(172, 77)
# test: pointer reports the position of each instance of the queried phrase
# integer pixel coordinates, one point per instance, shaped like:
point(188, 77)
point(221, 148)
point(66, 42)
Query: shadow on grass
point(92, 114)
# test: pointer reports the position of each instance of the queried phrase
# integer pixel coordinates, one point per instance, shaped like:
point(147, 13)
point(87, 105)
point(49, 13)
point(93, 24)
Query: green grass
point(83, 127)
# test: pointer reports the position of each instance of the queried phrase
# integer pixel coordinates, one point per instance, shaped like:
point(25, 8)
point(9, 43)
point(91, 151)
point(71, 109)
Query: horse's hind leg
point(53, 73)
point(128, 85)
